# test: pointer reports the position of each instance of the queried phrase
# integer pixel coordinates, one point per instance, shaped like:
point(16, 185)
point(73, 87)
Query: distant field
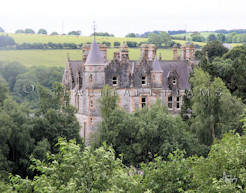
point(204, 34)
point(58, 57)
point(38, 38)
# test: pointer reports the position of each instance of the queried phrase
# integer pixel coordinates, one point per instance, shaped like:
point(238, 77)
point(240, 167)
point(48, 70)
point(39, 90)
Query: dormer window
point(174, 81)
point(144, 80)
point(115, 80)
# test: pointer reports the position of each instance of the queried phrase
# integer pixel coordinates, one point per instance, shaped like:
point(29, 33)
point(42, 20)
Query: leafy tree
point(42, 31)
point(144, 133)
point(221, 37)
point(229, 37)
point(211, 37)
point(131, 35)
point(154, 39)
point(29, 31)
point(165, 38)
point(19, 31)
point(6, 41)
point(54, 33)
point(116, 44)
point(106, 43)
point(73, 170)
point(197, 38)
point(1, 29)
point(131, 44)
point(235, 52)
point(214, 49)
point(76, 33)
point(216, 111)
point(10, 71)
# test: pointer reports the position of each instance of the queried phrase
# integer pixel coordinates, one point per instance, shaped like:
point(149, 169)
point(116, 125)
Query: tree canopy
point(42, 31)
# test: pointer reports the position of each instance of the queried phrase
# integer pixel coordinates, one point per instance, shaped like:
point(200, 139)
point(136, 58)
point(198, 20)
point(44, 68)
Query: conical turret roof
point(156, 65)
point(94, 56)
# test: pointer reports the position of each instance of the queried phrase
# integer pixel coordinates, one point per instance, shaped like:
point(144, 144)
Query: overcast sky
point(120, 17)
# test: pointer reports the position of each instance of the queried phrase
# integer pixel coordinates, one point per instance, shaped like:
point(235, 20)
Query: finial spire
point(94, 28)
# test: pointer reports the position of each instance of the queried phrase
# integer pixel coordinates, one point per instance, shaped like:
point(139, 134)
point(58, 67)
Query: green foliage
point(19, 31)
point(235, 52)
point(73, 170)
point(116, 44)
point(221, 37)
point(75, 33)
point(42, 31)
point(106, 43)
point(216, 111)
point(211, 37)
point(165, 38)
point(154, 39)
point(6, 41)
point(198, 38)
point(214, 49)
point(54, 33)
point(144, 133)
point(102, 34)
point(229, 37)
point(29, 31)
point(132, 35)
point(131, 44)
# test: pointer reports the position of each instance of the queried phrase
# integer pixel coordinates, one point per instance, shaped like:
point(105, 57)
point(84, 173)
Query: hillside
point(204, 34)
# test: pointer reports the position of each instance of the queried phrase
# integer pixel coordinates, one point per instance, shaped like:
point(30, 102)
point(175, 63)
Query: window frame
point(174, 81)
point(114, 80)
point(170, 102)
point(178, 102)
point(145, 102)
point(145, 79)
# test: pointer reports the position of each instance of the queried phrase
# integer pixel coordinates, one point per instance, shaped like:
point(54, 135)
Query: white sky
point(122, 16)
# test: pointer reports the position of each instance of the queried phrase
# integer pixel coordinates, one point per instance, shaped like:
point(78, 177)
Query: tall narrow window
point(91, 104)
point(179, 102)
point(170, 102)
point(115, 80)
point(144, 80)
point(90, 79)
point(91, 120)
point(144, 102)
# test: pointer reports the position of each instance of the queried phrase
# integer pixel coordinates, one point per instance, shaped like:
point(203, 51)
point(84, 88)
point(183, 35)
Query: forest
point(149, 150)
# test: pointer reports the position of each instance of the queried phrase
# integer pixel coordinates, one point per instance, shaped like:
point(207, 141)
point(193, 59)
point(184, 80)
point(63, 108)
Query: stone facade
point(138, 83)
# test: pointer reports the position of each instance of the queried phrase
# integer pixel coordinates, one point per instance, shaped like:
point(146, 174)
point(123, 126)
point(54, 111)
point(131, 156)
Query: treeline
point(48, 45)
point(176, 32)
point(102, 34)
point(238, 31)
point(5, 40)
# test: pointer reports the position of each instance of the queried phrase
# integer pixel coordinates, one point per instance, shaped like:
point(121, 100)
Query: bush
point(131, 44)
point(116, 44)
point(106, 43)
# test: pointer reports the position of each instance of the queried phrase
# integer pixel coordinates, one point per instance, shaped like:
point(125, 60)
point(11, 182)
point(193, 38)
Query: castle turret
point(156, 74)
point(175, 52)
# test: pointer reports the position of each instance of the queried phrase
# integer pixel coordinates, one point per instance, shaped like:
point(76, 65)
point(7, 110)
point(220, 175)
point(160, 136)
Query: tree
point(106, 43)
point(19, 31)
point(211, 37)
point(6, 41)
point(131, 35)
point(197, 38)
point(221, 37)
point(235, 52)
point(54, 33)
point(214, 49)
point(154, 39)
point(165, 38)
point(76, 170)
point(42, 31)
point(116, 44)
point(1, 29)
point(211, 103)
point(144, 133)
point(76, 33)
point(29, 31)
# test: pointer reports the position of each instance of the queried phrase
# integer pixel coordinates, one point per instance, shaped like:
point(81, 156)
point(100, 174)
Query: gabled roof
point(94, 57)
point(156, 65)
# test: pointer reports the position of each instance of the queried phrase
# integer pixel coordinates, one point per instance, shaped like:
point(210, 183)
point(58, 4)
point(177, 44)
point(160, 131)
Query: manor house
point(138, 82)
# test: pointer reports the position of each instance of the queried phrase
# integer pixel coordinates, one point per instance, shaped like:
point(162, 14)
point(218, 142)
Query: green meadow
point(204, 34)
point(58, 57)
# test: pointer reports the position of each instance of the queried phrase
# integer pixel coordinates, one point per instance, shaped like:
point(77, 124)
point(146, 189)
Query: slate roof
point(156, 65)
point(75, 65)
point(183, 69)
point(94, 56)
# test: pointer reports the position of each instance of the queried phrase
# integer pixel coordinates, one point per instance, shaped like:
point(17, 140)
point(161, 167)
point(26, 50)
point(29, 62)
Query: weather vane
point(94, 28)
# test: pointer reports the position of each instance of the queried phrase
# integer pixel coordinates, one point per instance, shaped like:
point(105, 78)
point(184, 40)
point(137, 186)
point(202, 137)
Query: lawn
point(58, 57)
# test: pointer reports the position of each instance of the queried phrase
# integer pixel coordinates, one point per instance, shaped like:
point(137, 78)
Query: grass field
point(204, 34)
point(58, 57)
